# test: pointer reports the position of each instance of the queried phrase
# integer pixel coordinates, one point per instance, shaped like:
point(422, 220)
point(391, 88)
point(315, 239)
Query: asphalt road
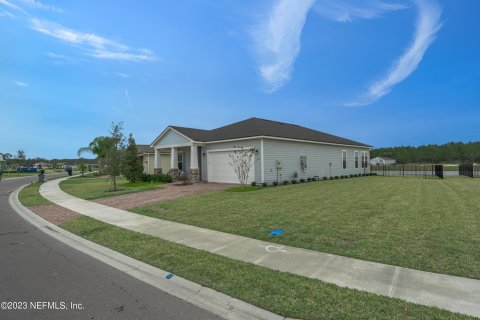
point(35, 268)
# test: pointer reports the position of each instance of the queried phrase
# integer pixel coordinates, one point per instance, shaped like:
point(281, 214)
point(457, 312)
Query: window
point(356, 159)
point(364, 159)
point(344, 159)
point(180, 161)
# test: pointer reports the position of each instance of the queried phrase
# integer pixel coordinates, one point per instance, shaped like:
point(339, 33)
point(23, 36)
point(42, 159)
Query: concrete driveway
point(168, 191)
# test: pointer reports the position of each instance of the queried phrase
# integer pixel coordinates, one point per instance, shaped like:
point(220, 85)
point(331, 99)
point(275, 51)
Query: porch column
point(194, 171)
point(157, 168)
point(174, 173)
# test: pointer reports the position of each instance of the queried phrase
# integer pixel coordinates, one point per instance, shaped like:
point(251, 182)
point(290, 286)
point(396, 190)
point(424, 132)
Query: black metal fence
point(427, 170)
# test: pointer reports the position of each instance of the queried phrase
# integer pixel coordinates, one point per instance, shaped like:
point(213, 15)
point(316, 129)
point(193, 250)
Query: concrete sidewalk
point(448, 292)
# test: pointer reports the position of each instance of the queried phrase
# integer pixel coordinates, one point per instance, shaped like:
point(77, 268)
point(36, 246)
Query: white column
point(173, 158)
point(158, 163)
point(193, 157)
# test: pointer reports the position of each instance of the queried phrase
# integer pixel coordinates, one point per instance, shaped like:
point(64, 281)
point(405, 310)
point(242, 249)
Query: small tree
point(133, 167)
point(21, 156)
point(82, 167)
point(242, 161)
point(114, 153)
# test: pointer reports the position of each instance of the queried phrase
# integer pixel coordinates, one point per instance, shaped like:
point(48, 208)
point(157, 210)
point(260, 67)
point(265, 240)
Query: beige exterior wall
point(148, 161)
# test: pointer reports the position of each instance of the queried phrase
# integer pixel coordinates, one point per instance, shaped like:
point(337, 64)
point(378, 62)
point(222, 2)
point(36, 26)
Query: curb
point(194, 293)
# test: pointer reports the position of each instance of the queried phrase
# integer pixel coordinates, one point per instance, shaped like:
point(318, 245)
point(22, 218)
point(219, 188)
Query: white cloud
point(278, 41)
point(122, 75)
point(348, 10)
point(39, 5)
point(10, 5)
point(6, 13)
point(94, 45)
point(427, 27)
point(20, 83)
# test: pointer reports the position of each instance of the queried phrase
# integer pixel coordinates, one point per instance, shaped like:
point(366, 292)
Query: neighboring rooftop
point(144, 148)
point(254, 127)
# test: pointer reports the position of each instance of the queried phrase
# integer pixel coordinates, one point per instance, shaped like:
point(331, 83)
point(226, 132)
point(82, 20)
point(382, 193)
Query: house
point(282, 152)
point(380, 161)
point(42, 165)
point(3, 163)
point(146, 153)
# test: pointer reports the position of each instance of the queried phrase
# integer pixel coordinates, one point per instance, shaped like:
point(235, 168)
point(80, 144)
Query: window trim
point(344, 161)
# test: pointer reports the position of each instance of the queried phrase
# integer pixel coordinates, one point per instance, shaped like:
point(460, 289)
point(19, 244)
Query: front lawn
point(282, 293)
point(92, 187)
point(426, 224)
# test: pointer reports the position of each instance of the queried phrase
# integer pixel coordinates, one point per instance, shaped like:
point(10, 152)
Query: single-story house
point(3, 163)
point(380, 161)
point(42, 165)
point(282, 151)
point(146, 153)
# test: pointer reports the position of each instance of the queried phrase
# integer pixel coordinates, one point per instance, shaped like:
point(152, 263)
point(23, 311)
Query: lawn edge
point(216, 302)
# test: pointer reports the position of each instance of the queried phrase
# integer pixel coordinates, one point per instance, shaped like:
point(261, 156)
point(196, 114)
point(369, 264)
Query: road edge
point(216, 302)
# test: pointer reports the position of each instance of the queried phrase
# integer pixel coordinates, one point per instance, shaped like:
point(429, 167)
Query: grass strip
point(282, 293)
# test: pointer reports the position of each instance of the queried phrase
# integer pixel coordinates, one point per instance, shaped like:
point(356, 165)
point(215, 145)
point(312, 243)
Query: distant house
point(147, 156)
point(380, 161)
point(42, 165)
point(282, 151)
point(3, 163)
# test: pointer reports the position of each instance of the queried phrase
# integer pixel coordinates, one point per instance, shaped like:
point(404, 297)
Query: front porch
point(185, 160)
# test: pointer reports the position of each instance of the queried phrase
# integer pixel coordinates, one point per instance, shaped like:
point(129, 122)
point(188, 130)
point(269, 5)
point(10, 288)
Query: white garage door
point(219, 169)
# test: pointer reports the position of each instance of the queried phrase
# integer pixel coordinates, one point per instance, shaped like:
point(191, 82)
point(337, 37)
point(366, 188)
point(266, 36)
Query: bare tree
point(242, 161)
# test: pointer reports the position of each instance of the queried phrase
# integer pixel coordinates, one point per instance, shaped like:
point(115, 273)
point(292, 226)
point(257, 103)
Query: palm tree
point(99, 147)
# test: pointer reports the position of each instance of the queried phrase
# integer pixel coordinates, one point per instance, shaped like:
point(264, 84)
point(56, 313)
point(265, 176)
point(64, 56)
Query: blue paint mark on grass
point(169, 276)
point(276, 232)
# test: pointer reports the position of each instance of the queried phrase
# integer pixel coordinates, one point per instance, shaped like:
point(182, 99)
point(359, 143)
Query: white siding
point(171, 138)
point(319, 157)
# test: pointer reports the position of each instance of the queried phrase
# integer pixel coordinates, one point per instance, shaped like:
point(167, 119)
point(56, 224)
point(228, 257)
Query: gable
point(170, 137)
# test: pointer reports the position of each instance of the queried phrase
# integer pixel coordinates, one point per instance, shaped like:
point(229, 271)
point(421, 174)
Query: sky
point(382, 72)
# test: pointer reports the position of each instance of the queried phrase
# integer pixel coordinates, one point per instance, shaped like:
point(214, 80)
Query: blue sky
point(384, 73)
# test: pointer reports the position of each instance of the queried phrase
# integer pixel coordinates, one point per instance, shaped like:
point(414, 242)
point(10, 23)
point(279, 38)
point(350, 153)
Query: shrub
point(309, 179)
point(324, 178)
point(302, 180)
point(253, 183)
point(265, 184)
point(294, 181)
point(155, 178)
point(331, 178)
point(275, 183)
point(285, 182)
point(336, 177)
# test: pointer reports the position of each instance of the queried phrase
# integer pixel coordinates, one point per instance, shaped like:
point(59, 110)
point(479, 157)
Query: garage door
point(219, 169)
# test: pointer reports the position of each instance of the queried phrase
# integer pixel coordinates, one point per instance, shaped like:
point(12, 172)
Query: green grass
point(30, 196)
point(244, 189)
point(19, 174)
point(282, 293)
point(426, 224)
point(90, 187)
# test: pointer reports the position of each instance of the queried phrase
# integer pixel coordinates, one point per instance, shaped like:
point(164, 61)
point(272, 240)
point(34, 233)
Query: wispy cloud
point(10, 5)
point(278, 41)
point(94, 45)
point(128, 99)
point(348, 10)
point(122, 75)
point(427, 26)
point(20, 83)
point(6, 13)
point(35, 4)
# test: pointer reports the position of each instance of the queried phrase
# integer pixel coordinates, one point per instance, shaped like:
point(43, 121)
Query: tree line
point(452, 152)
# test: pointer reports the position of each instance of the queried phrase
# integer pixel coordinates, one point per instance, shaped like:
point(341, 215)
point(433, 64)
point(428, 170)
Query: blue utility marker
point(276, 232)
point(169, 276)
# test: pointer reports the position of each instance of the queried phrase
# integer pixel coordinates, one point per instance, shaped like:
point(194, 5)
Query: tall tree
point(115, 152)
point(133, 167)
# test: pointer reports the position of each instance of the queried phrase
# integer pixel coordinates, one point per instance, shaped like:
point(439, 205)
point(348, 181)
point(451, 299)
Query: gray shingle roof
point(144, 148)
point(254, 127)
